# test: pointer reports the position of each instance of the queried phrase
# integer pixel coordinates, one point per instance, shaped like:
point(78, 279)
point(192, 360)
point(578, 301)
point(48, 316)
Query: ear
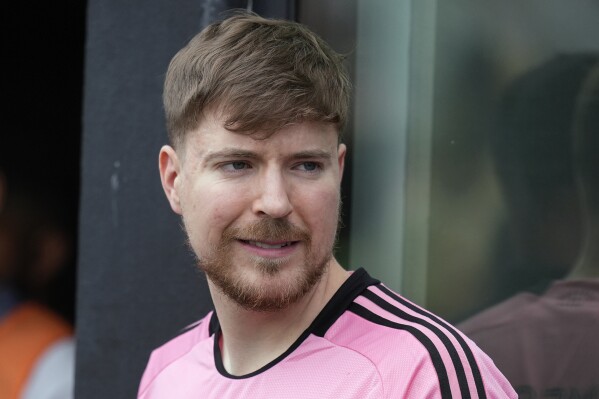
point(341, 151)
point(170, 170)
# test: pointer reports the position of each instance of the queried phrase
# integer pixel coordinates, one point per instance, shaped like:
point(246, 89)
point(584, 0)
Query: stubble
point(271, 292)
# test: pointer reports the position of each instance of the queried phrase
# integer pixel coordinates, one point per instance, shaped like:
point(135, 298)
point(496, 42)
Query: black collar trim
point(357, 282)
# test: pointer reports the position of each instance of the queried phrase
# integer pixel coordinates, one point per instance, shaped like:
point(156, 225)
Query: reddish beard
point(264, 296)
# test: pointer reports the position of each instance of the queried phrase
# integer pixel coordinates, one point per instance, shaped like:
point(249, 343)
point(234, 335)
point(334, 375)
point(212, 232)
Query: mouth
point(269, 245)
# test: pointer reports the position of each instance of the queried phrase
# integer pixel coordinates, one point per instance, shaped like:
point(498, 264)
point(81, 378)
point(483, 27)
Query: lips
point(265, 245)
point(268, 237)
point(270, 249)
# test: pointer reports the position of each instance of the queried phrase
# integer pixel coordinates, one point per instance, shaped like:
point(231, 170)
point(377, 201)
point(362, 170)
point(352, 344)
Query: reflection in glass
point(546, 154)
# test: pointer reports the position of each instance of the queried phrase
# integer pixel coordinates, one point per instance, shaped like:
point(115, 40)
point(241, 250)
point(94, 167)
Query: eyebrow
point(230, 153)
point(321, 154)
point(239, 153)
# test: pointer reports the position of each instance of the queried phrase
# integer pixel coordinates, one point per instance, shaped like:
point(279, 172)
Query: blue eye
point(235, 166)
point(238, 165)
point(310, 167)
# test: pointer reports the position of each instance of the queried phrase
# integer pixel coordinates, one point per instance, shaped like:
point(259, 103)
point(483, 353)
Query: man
point(254, 111)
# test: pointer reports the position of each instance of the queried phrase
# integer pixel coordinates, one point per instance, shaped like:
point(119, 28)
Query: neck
point(252, 339)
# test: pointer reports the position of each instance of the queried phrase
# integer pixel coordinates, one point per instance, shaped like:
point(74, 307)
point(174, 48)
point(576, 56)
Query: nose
point(272, 196)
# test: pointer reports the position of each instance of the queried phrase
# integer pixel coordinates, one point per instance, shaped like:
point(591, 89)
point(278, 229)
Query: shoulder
point(500, 317)
point(54, 373)
point(176, 348)
point(37, 321)
point(416, 352)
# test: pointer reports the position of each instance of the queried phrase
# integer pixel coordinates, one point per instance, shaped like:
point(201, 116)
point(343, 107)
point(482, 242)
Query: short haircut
point(259, 74)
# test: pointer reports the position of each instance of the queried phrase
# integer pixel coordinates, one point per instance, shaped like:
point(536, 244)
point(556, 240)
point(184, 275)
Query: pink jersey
point(367, 342)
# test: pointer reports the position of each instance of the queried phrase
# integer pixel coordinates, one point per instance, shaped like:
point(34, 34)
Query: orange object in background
point(25, 334)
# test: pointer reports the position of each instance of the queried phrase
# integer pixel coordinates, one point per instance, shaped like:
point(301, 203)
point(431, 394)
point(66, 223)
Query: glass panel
point(513, 224)
point(381, 110)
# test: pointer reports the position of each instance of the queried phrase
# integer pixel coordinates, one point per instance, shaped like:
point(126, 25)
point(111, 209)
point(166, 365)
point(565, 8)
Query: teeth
point(267, 246)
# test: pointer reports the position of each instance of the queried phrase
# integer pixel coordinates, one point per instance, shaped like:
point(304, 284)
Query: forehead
point(211, 135)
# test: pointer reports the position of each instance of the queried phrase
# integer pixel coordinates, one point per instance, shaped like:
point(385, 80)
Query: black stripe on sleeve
point(480, 388)
point(420, 336)
point(455, 358)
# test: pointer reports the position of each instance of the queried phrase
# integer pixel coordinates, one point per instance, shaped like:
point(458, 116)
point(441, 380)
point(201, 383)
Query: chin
point(270, 285)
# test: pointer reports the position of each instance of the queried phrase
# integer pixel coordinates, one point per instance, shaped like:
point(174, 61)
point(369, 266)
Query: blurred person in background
point(545, 339)
point(36, 256)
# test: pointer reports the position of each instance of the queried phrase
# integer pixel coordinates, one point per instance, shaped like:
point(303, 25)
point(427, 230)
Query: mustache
point(267, 229)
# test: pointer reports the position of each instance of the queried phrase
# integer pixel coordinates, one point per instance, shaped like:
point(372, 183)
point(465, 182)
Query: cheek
point(222, 211)
point(321, 209)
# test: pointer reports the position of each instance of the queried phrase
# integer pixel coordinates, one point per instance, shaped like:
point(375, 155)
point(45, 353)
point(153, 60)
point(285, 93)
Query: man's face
point(261, 214)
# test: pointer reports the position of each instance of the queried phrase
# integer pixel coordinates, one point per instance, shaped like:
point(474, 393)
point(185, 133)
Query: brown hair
point(261, 74)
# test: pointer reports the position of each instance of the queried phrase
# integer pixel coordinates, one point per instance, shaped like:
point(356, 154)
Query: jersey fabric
point(546, 343)
point(366, 343)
